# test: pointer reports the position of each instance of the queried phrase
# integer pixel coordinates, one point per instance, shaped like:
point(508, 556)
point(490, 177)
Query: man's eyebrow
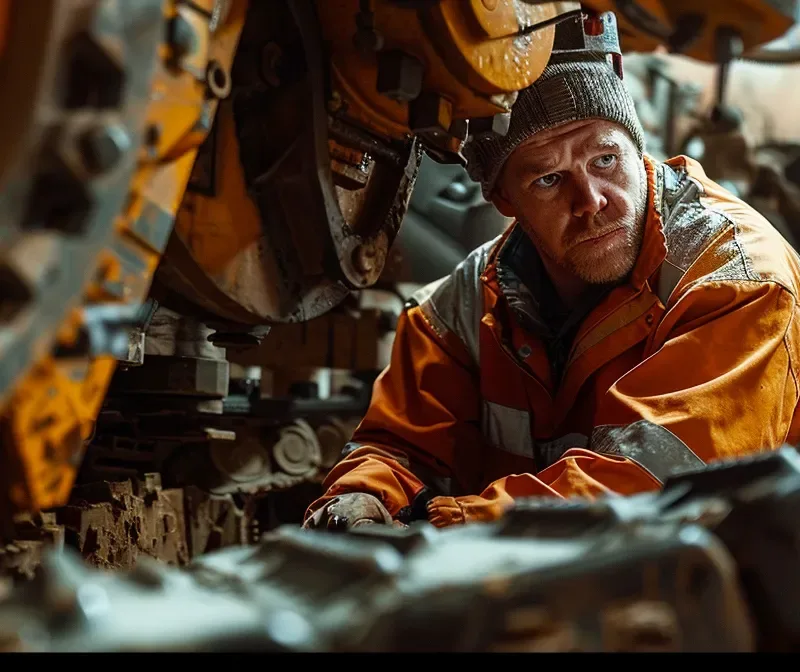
point(605, 143)
point(542, 166)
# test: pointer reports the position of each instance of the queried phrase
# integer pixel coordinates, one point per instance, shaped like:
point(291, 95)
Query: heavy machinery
point(184, 182)
point(708, 564)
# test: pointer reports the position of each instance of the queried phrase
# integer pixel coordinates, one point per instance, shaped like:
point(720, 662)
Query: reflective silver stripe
point(668, 279)
point(507, 428)
point(654, 448)
point(455, 303)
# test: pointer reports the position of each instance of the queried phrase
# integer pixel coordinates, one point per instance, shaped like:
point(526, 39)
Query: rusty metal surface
point(112, 524)
point(21, 557)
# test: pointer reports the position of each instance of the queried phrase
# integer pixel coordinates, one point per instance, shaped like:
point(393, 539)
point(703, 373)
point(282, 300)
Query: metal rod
point(550, 22)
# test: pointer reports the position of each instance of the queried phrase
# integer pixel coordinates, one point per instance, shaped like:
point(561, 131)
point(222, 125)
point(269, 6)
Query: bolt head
point(103, 147)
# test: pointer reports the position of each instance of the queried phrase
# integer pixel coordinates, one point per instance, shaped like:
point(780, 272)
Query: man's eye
point(547, 181)
point(606, 161)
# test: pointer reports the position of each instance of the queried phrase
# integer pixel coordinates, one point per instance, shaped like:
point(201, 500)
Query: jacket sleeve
point(721, 379)
point(424, 419)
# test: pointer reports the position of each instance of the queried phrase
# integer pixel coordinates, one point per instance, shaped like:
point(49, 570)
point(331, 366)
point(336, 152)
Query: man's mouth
point(601, 237)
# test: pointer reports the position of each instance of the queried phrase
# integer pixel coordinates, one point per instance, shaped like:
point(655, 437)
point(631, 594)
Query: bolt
point(364, 258)
point(219, 84)
point(103, 146)
point(491, 5)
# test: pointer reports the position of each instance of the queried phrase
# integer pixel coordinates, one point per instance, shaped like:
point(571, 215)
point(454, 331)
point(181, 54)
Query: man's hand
point(349, 510)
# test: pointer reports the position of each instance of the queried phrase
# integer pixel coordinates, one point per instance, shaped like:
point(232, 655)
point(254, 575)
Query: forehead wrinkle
point(542, 154)
point(539, 164)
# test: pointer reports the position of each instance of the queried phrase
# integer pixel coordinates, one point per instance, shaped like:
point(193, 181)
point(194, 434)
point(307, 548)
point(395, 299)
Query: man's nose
point(588, 198)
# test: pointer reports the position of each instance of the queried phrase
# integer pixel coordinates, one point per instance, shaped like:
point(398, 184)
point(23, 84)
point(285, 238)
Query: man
point(630, 303)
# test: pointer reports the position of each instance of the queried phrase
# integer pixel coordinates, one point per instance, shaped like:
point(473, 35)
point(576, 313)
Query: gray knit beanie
point(566, 91)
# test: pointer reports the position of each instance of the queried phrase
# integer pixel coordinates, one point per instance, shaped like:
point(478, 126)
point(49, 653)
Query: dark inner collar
point(534, 300)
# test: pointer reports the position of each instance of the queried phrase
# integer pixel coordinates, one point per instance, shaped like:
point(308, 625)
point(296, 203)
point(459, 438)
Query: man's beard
point(612, 265)
point(607, 267)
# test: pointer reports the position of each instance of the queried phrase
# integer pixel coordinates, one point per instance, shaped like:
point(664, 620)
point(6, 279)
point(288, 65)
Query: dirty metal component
point(180, 367)
point(136, 334)
point(244, 445)
point(95, 156)
point(182, 376)
point(254, 459)
point(275, 235)
point(59, 218)
point(21, 557)
point(706, 564)
point(112, 524)
point(690, 28)
point(473, 588)
point(336, 340)
point(466, 52)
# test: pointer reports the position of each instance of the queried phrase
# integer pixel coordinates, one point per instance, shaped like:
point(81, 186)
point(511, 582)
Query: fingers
point(350, 510)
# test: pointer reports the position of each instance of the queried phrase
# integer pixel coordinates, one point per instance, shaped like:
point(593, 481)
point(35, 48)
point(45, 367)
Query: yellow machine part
point(756, 21)
point(467, 48)
point(471, 59)
point(52, 411)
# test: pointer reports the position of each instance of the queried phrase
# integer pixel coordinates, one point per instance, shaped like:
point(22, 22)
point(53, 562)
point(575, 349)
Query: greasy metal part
point(706, 564)
point(136, 340)
point(117, 108)
point(66, 171)
point(112, 524)
point(464, 51)
point(181, 367)
point(281, 224)
point(633, 37)
point(255, 450)
point(657, 586)
point(21, 557)
point(251, 460)
point(182, 376)
point(689, 28)
point(345, 340)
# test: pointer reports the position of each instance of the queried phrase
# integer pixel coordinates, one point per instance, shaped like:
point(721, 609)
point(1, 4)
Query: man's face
point(580, 193)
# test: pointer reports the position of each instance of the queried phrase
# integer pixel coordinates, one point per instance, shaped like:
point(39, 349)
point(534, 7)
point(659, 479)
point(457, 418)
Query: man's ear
point(501, 202)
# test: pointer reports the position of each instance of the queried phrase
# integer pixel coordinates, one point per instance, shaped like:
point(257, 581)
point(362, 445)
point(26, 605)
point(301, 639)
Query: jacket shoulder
point(454, 304)
point(712, 236)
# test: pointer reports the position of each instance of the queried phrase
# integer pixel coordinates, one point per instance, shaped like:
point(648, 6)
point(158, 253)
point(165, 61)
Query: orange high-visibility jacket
point(702, 339)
